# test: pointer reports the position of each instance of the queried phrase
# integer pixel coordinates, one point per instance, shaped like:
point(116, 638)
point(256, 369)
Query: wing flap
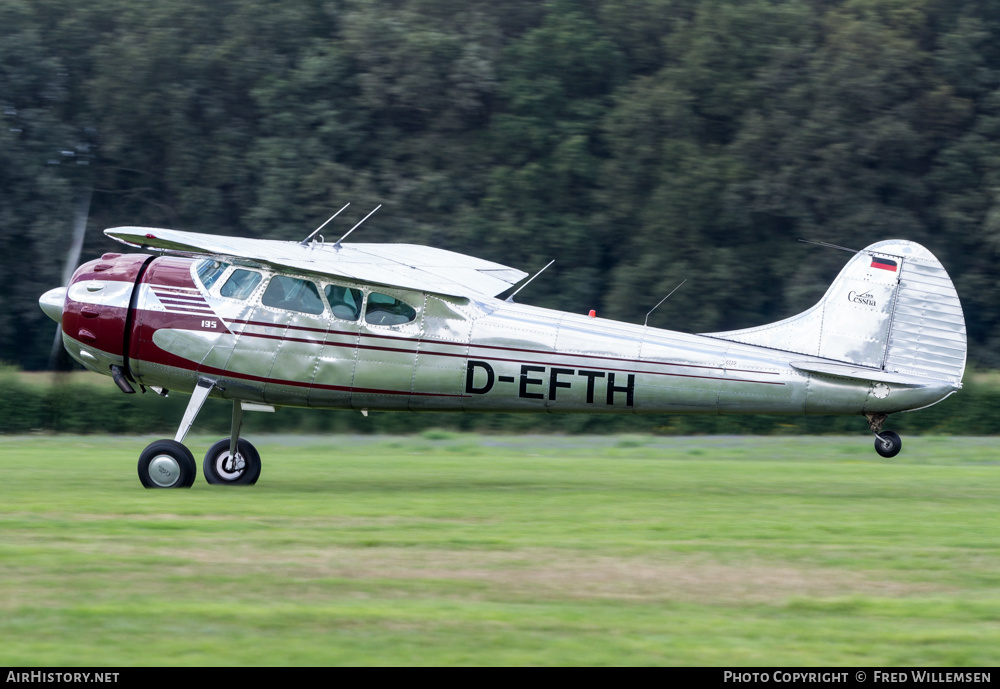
point(408, 266)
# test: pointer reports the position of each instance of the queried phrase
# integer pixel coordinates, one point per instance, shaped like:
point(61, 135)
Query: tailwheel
point(221, 468)
point(888, 444)
point(167, 464)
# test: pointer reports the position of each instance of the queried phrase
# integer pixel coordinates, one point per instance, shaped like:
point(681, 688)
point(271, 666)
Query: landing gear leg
point(887, 443)
point(167, 463)
point(232, 461)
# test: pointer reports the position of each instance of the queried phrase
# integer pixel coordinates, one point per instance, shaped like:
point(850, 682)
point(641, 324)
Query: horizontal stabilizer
point(860, 373)
point(407, 266)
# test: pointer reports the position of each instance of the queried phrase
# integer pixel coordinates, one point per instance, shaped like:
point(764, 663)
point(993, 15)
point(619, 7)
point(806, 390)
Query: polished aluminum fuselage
point(459, 354)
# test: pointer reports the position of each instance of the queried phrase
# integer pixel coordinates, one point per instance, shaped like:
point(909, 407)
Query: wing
point(409, 266)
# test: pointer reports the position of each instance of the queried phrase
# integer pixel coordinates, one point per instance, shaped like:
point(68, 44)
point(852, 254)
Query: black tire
point(167, 464)
point(215, 469)
point(889, 444)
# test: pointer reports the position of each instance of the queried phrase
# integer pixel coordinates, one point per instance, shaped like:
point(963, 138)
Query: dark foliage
point(638, 142)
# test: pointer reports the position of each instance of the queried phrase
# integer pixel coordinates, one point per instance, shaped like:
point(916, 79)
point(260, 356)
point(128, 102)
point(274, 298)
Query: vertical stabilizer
point(892, 308)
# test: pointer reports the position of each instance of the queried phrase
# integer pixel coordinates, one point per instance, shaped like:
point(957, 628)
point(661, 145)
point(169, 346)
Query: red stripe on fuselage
point(181, 299)
point(423, 341)
point(424, 352)
point(175, 289)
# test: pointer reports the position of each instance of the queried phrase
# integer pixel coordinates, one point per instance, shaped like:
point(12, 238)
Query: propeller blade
point(80, 216)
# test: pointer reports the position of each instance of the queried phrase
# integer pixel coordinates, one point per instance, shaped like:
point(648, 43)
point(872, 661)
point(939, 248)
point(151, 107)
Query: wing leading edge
point(409, 266)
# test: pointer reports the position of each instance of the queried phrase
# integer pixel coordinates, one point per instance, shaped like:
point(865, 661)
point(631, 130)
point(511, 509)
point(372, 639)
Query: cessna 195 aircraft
point(268, 324)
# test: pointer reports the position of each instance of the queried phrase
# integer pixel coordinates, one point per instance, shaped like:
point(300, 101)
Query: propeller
point(80, 216)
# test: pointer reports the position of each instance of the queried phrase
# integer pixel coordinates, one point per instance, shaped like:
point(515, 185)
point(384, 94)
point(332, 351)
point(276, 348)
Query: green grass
point(445, 548)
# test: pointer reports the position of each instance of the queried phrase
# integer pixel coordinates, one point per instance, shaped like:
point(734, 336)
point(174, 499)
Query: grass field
point(456, 549)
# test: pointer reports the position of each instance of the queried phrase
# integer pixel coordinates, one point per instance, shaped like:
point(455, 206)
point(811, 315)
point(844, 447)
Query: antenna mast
point(336, 245)
point(646, 322)
point(305, 242)
point(829, 246)
point(511, 297)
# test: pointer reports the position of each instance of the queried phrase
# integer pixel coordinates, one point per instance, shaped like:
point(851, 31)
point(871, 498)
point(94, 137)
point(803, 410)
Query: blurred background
point(637, 142)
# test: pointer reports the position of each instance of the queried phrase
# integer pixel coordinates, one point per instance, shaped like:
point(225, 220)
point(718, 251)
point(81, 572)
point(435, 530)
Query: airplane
point(267, 324)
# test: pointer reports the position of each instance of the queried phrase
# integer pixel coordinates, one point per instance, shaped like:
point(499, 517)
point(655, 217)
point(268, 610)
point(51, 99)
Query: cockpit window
point(240, 284)
point(385, 310)
point(209, 271)
point(344, 302)
point(292, 294)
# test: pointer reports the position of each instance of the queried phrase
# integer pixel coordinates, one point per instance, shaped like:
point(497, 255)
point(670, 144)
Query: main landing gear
point(224, 467)
point(232, 461)
point(887, 443)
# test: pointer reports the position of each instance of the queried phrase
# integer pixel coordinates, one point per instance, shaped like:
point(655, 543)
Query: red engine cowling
point(95, 313)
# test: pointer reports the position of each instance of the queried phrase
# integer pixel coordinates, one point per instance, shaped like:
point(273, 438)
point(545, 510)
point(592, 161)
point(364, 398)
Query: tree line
point(637, 142)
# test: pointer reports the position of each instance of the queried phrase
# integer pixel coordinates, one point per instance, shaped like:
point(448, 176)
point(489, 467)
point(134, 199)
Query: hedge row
point(73, 407)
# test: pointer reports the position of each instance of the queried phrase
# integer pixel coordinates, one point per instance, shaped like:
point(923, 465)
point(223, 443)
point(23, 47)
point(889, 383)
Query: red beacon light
point(593, 313)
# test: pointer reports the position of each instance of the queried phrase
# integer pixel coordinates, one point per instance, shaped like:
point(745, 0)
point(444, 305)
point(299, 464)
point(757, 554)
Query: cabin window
point(292, 294)
point(209, 271)
point(344, 302)
point(240, 284)
point(385, 310)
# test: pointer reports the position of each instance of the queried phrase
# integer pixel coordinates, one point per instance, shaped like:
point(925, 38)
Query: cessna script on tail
point(267, 324)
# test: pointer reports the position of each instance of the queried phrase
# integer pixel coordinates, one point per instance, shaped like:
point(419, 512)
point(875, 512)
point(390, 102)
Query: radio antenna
point(646, 322)
point(828, 246)
point(305, 242)
point(511, 297)
point(336, 245)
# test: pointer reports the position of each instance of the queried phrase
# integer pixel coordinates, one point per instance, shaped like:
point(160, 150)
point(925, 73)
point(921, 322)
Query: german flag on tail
point(884, 263)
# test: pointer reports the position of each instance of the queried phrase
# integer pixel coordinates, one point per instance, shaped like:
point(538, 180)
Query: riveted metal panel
point(596, 367)
point(295, 355)
point(518, 343)
point(334, 371)
point(383, 373)
point(755, 379)
point(440, 366)
point(255, 347)
point(928, 336)
point(828, 395)
point(684, 375)
point(236, 316)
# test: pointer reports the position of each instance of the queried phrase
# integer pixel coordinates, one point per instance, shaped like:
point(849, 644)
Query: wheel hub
point(230, 468)
point(164, 471)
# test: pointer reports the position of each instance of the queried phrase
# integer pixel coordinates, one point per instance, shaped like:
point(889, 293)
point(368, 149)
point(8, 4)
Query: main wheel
point(889, 444)
point(167, 464)
point(243, 470)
